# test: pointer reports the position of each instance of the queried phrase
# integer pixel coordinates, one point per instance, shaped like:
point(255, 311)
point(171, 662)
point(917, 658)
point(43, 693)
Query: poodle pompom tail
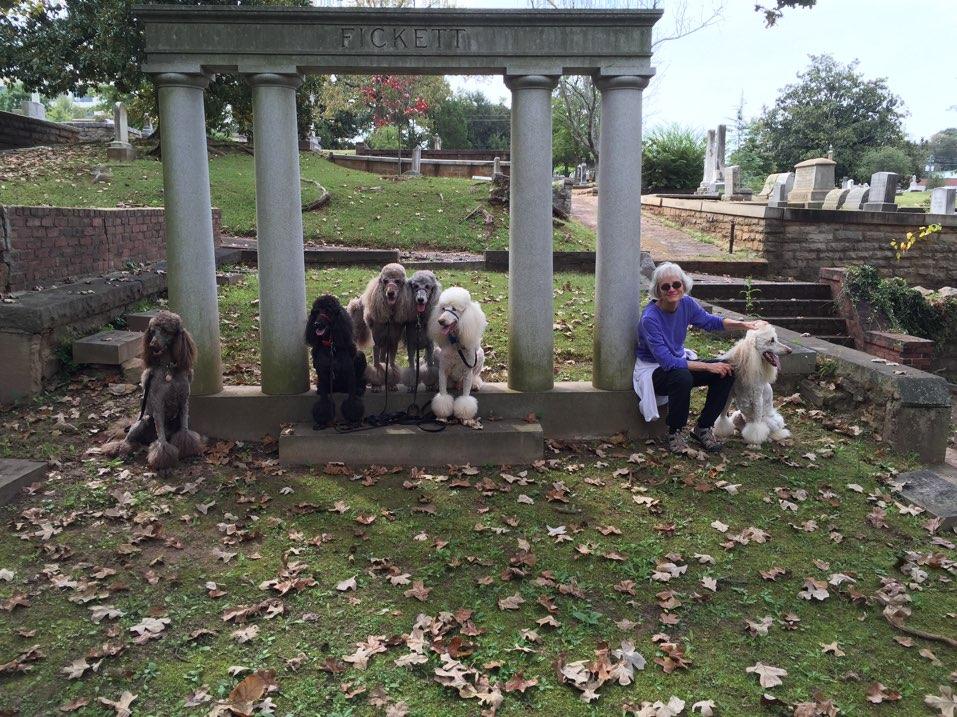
point(162, 455)
point(188, 443)
point(465, 407)
point(442, 405)
point(754, 434)
point(723, 427)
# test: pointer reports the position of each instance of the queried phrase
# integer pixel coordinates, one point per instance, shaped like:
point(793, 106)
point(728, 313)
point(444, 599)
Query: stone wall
point(43, 245)
point(463, 169)
point(98, 130)
point(466, 155)
point(19, 131)
point(799, 242)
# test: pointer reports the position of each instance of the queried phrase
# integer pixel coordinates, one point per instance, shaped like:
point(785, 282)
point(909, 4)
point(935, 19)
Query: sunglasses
point(673, 285)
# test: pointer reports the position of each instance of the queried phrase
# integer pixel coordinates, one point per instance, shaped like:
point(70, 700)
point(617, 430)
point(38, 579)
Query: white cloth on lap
point(645, 387)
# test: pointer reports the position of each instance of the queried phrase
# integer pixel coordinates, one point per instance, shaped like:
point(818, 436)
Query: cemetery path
point(662, 241)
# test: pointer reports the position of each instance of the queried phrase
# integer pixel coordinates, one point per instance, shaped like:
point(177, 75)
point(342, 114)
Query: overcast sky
point(701, 78)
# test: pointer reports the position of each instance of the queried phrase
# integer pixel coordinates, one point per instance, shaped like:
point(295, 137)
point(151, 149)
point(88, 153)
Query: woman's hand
point(735, 325)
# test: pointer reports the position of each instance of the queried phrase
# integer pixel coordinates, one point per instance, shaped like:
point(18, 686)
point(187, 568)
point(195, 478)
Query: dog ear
point(310, 328)
point(184, 350)
point(145, 353)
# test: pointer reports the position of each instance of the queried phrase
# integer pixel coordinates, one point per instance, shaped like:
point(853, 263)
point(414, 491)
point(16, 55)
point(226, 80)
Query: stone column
point(190, 252)
point(530, 305)
point(617, 254)
point(282, 271)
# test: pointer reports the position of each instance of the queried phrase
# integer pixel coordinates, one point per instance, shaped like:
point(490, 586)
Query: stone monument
point(733, 189)
point(856, 197)
point(120, 149)
point(813, 179)
point(713, 179)
point(847, 183)
point(33, 107)
point(416, 170)
point(497, 167)
point(883, 191)
point(437, 142)
point(914, 186)
point(835, 198)
point(942, 200)
point(779, 196)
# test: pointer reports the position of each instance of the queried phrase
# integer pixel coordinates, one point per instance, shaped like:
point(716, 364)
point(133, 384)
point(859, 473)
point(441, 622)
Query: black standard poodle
point(340, 367)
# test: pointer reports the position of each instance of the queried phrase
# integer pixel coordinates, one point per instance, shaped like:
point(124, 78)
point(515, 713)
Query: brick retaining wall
point(43, 245)
point(463, 169)
point(799, 242)
point(467, 155)
point(20, 131)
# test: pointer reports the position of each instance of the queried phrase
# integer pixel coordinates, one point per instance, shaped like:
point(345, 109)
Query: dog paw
point(162, 455)
point(465, 407)
point(323, 411)
point(353, 409)
point(188, 443)
point(780, 435)
point(723, 427)
point(442, 405)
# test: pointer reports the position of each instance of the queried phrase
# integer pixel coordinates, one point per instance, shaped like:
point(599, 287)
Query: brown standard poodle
point(379, 318)
point(168, 353)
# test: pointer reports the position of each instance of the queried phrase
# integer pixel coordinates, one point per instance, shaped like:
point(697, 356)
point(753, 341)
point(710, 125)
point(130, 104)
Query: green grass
point(366, 210)
point(913, 199)
point(284, 509)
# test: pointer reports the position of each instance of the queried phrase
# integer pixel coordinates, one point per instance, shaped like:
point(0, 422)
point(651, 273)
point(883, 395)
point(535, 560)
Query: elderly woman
point(665, 371)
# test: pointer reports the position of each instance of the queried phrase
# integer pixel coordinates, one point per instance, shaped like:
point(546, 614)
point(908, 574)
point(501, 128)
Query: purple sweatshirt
point(661, 335)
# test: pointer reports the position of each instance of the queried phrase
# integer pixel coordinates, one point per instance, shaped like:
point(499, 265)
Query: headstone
point(120, 149)
point(314, 144)
point(107, 347)
point(847, 183)
point(813, 179)
point(769, 183)
point(733, 189)
point(934, 492)
point(942, 200)
point(497, 166)
point(883, 191)
point(713, 175)
point(856, 197)
point(438, 142)
point(835, 198)
point(914, 186)
point(33, 108)
point(16, 474)
point(416, 162)
point(779, 196)
point(707, 181)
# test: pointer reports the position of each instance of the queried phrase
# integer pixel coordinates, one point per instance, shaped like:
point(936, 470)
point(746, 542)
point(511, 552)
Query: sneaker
point(677, 443)
point(705, 436)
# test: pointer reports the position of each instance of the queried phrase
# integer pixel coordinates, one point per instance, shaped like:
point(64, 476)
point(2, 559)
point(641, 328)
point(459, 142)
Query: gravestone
point(935, 490)
point(34, 109)
point(813, 179)
point(107, 347)
point(856, 197)
point(883, 191)
point(779, 196)
point(733, 189)
point(120, 149)
point(497, 167)
point(942, 200)
point(16, 474)
point(848, 183)
point(713, 175)
point(766, 188)
point(835, 198)
point(914, 186)
point(416, 162)
point(438, 142)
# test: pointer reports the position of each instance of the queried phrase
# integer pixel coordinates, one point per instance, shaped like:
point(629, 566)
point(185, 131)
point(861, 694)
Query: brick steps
point(715, 292)
point(769, 308)
point(817, 326)
point(498, 443)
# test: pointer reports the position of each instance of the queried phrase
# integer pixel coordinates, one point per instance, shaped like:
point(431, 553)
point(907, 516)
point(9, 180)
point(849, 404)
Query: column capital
point(181, 79)
point(274, 79)
point(607, 83)
point(531, 82)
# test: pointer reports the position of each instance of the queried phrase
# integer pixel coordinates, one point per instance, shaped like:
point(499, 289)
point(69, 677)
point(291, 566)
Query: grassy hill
point(366, 209)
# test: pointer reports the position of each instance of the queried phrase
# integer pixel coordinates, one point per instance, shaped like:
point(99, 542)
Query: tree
point(12, 97)
point(672, 159)
point(776, 12)
point(943, 150)
point(830, 105)
point(470, 120)
point(884, 159)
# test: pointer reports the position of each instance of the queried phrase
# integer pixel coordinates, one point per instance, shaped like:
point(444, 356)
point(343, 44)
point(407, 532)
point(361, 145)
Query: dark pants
point(677, 384)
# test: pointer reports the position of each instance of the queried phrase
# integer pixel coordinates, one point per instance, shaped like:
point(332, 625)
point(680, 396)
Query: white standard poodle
point(756, 363)
point(456, 327)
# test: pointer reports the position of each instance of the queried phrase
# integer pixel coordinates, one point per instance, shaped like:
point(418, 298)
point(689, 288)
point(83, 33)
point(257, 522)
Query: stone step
point(498, 443)
point(715, 292)
point(15, 474)
point(935, 490)
point(107, 347)
point(771, 308)
point(816, 326)
point(839, 340)
point(140, 321)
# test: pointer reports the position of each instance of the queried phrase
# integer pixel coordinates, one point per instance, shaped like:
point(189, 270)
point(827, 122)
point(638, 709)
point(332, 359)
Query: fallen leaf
point(768, 675)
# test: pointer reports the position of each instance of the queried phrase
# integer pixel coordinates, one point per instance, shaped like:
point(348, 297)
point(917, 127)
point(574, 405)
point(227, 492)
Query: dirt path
point(662, 241)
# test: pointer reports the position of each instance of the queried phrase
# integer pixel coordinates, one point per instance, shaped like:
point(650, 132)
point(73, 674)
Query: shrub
point(884, 159)
point(934, 180)
point(672, 159)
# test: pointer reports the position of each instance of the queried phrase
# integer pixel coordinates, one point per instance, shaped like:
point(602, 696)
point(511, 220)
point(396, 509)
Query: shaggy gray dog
point(168, 353)
point(379, 318)
point(425, 290)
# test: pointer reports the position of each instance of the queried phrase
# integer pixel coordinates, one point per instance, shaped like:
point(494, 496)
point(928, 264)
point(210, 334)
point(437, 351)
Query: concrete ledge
point(573, 409)
point(916, 404)
point(498, 443)
point(584, 261)
point(935, 490)
point(15, 474)
point(322, 256)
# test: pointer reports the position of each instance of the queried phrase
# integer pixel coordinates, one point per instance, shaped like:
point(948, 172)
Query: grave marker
point(120, 149)
point(883, 191)
point(813, 179)
point(16, 474)
point(835, 198)
point(942, 200)
point(854, 202)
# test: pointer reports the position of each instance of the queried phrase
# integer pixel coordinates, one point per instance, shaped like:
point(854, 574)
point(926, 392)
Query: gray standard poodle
point(168, 353)
point(425, 290)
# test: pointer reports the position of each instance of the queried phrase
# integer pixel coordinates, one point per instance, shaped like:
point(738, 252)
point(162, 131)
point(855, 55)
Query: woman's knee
point(680, 379)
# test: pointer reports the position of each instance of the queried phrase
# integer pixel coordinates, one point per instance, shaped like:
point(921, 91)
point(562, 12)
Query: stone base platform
point(497, 443)
point(572, 409)
point(15, 474)
point(935, 490)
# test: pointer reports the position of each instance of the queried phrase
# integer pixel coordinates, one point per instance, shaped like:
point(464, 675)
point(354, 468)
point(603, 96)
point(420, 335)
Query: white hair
point(667, 270)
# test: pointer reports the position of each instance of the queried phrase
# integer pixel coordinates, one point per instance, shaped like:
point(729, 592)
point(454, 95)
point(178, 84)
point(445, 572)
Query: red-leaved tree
point(393, 100)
